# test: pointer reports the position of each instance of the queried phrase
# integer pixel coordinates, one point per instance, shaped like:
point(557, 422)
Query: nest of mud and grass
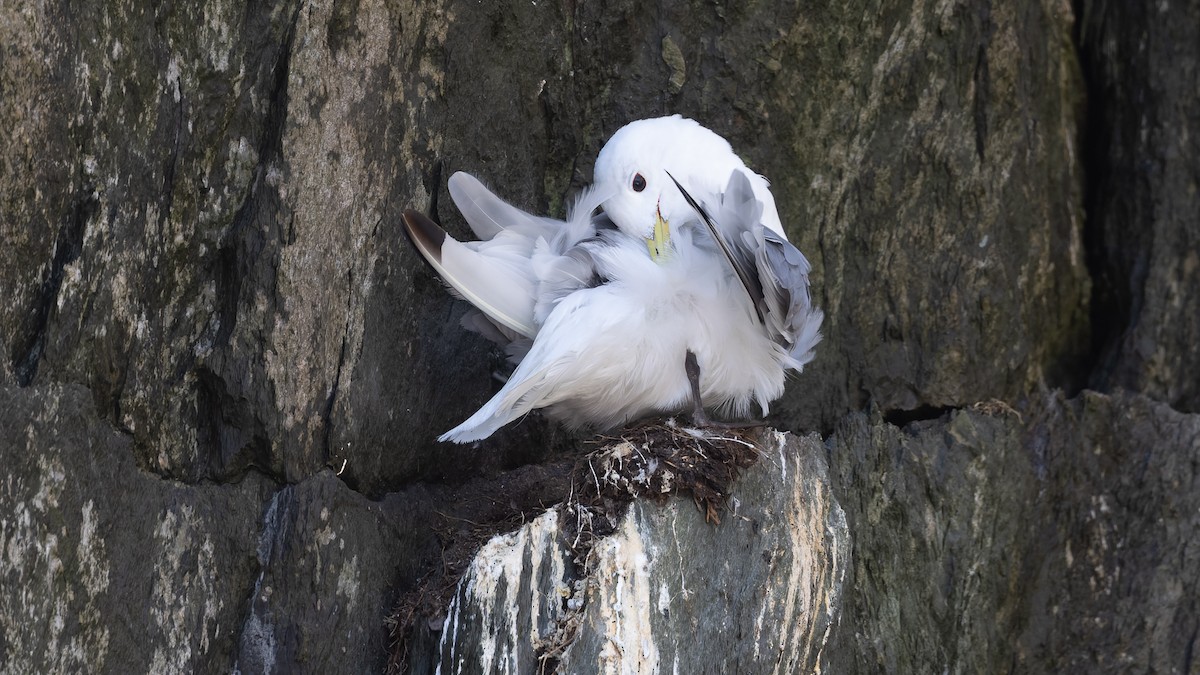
point(652, 460)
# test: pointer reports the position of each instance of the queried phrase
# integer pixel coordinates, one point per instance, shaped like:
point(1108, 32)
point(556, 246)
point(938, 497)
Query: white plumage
point(603, 312)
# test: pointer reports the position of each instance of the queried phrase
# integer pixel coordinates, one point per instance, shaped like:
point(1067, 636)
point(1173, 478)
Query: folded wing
point(772, 270)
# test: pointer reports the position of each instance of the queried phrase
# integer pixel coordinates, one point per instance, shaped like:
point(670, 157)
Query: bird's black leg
point(699, 417)
point(692, 368)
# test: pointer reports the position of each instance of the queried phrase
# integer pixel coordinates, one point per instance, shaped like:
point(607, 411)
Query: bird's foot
point(699, 417)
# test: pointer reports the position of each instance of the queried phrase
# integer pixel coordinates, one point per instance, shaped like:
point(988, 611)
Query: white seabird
point(683, 293)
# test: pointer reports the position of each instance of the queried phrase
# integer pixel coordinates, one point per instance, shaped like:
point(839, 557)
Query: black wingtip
point(743, 276)
point(424, 234)
point(691, 202)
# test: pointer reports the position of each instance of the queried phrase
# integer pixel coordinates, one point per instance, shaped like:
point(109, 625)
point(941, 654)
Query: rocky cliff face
point(1049, 540)
point(223, 369)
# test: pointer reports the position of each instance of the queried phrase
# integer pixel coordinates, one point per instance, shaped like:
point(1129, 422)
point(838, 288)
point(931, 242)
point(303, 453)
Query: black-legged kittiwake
point(683, 293)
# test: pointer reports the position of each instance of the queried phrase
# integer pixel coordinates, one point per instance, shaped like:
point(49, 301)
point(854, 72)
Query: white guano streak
point(624, 606)
point(504, 558)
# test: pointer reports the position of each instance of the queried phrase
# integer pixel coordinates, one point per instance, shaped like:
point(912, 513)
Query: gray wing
point(772, 270)
point(518, 271)
point(488, 215)
point(783, 271)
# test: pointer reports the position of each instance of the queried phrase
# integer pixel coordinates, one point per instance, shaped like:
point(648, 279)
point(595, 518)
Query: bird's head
point(638, 163)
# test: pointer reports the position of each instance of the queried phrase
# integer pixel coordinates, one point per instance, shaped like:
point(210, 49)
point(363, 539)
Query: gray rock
point(510, 601)
point(1116, 586)
point(1143, 64)
point(1056, 539)
point(110, 567)
point(667, 591)
point(106, 567)
point(942, 515)
point(327, 571)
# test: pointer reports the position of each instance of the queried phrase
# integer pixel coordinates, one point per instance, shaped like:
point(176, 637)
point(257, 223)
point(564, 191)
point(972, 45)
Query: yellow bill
point(660, 244)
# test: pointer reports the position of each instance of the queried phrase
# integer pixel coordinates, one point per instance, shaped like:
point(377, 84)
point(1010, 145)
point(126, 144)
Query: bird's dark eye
point(639, 183)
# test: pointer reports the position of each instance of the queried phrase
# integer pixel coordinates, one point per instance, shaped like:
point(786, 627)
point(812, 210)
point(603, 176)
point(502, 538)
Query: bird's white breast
point(631, 335)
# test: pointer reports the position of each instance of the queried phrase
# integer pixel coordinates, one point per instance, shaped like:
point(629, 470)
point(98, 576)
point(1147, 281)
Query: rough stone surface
point(223, 370)
point(929, 171)
point(770, 576)
point(327, 579)
point(1057, 539)
point(509, 602)
point(1117, 586)
point(940, 513)
point(106, 567)
point(1143, 63)
point(667, 590)
point(109, 567)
